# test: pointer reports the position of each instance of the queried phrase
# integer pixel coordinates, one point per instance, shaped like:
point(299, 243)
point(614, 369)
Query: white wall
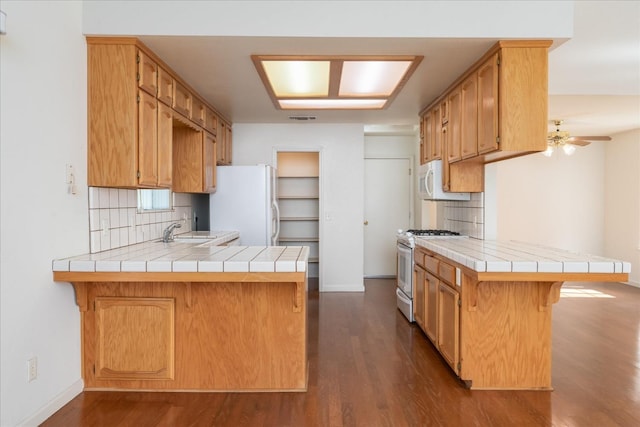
point(622, 201)
point(42, 128)
point(393, 147)
point(342, 189)
point(557, 201)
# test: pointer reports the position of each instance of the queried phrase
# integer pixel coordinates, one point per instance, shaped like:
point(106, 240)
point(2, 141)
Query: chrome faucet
point(167, 234)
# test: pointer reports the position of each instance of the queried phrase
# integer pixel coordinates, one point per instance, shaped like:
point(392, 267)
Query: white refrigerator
point(245, 200)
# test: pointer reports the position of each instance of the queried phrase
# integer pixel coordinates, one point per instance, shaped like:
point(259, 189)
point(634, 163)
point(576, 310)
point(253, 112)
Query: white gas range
point(406, 243)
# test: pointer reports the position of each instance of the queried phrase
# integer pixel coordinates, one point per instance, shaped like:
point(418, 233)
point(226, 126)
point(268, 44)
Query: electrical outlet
point(32, 369)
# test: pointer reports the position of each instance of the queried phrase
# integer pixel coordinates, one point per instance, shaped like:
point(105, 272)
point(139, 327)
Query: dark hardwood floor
point(370, 367)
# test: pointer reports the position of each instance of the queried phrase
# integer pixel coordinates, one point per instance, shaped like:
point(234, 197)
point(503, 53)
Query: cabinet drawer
point(418, 258)
point(431, 264)
point(447, 273)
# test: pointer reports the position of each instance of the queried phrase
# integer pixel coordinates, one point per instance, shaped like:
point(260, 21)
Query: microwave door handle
point(428, 182)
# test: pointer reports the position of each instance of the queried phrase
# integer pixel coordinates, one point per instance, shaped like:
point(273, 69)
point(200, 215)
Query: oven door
point(405, 269)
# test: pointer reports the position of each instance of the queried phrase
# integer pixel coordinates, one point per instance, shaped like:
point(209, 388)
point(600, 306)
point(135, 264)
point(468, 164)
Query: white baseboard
point(634, 284)
point(343, 288)
point(54, 405)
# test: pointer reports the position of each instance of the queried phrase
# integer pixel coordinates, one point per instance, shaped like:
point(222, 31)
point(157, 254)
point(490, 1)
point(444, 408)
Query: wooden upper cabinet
point(210, 121)
point(112, 99)
point(135, 102)
point(469, 131)
point(224, 143)
point(510, 83)
point(427, 138)
point(148, 140)
point(147, 74)
point(165, 87)
point(197, 111)
point(165, 142)
point(181, 99)
point(488, 105)
point(209, 162)
point(454, 126)
point(194, 160)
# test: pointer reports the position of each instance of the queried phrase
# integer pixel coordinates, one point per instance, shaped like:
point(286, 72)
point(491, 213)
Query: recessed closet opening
point(298, 194)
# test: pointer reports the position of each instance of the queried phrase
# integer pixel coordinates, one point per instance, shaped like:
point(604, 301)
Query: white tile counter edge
point(182, 256)
point(512, 256)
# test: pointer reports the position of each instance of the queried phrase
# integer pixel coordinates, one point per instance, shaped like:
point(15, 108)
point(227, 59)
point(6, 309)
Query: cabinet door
point(448, 325)
point(209, 162)
point(165, 87)
point(488, 105)
point(135, 338)
point(187, 160)
point(181, 99)
point(427, 149)
point(228, 148)
point(147, 74)
point(147, 140)
point(165, 141)
point(197, 111)
point(469, 122)
point(431, 307)
point(418, 295)
point(436, 135)
point(211, 121)
point(454, 126)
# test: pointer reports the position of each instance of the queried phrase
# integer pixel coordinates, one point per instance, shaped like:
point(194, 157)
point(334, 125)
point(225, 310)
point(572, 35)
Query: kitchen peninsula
point(192, 315)
point(487, 305)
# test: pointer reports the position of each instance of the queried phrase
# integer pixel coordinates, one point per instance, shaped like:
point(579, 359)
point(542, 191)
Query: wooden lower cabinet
point(134, 338)
point(449, 325)
point(419, 275)
point(431, 307)
point(224, 335)
point(492, 329)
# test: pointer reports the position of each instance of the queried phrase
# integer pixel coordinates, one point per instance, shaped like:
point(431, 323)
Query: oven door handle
point(402, 297)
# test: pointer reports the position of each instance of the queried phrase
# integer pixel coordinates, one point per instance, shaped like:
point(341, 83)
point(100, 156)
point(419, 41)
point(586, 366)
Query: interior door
point(387, 208)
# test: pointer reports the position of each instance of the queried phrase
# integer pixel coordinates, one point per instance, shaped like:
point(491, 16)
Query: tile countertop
point(202, 255)
point(512, 256)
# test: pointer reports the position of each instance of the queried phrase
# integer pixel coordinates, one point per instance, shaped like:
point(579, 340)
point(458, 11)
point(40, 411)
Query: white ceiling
point(594, 78)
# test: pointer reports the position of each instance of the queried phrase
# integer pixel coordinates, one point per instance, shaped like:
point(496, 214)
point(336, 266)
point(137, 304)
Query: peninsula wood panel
point(505, 336)
point(228, 336)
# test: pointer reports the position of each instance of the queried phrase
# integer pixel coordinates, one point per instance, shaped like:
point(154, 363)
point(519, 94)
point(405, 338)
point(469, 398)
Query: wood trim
point(550, 277)
point(77, 276)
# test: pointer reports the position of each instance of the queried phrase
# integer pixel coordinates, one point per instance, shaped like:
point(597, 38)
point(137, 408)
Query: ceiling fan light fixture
point(549, 151)
point(568, 149)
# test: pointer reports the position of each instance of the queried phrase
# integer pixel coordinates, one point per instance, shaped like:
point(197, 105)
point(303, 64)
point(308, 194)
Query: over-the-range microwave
point(430, 183)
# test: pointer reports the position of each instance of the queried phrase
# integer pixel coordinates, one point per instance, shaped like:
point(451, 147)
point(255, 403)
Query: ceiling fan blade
point(580, 142)
point(591, 138)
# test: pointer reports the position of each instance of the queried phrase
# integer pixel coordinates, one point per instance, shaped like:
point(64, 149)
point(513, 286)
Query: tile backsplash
point(114, 220)
point(466, 217)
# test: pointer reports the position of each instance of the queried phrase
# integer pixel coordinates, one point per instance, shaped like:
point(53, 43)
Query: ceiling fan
point(562, 139)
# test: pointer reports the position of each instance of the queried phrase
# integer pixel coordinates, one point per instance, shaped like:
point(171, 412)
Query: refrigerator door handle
point(276, 234)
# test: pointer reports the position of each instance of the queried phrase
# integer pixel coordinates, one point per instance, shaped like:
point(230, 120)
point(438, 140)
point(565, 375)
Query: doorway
point(387, 208)
point(298, 194)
